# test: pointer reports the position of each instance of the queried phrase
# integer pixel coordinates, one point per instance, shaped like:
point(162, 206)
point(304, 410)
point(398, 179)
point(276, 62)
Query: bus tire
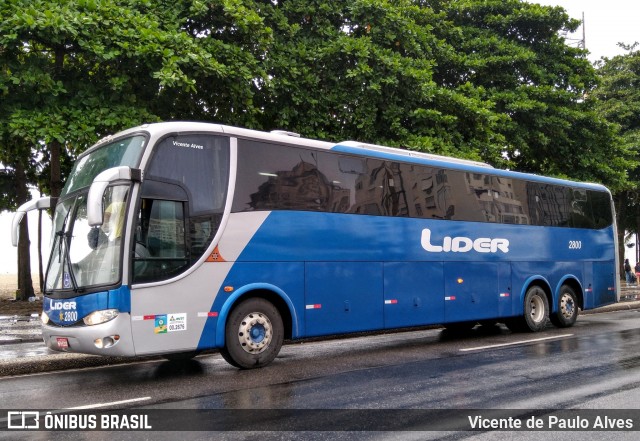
point(567, 312)
point(253, 334)
point(536, 312)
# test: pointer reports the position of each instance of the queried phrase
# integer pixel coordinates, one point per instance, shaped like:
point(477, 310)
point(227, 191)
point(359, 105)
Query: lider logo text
point(463, 244)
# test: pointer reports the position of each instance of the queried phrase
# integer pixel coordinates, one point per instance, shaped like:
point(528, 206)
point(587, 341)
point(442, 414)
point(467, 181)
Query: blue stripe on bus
point(346, 273)
point(307, 236)
point(76, 308)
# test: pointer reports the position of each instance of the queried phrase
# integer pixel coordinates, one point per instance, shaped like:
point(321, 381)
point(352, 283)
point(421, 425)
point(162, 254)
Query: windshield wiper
point(72, 276)
point(64, 257)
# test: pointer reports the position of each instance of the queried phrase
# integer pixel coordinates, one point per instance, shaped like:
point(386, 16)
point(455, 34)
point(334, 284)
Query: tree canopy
point(618, 100)
point(74, 71)
point(490, 80)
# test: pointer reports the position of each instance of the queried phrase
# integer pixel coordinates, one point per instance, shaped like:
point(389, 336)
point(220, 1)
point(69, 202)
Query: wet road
point(594, 365)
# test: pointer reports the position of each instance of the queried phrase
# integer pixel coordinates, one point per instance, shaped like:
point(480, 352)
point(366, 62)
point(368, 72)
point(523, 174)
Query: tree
point(481, 79)
point(73, 71)
point(513, 52)
point(234, 32)
point(365, 70)
point(618, 99)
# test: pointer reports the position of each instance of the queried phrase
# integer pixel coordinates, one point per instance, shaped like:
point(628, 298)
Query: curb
point(56, 362)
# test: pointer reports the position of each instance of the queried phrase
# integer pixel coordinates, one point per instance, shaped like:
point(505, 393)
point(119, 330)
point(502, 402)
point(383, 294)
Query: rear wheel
point(536, 312)
point(567, 312)
point(253, 335)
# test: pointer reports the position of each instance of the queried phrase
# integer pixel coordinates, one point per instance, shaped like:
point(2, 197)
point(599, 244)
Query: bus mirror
point(99, 185)
point(33, 204)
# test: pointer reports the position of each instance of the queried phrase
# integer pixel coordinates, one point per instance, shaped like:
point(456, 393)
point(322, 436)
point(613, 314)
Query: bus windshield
point(84, 256)
point(126, 151)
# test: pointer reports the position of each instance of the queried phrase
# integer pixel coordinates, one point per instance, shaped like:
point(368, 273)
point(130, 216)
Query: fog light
point(106, 342)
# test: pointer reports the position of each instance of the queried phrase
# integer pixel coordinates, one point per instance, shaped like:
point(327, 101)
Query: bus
point(179, 237)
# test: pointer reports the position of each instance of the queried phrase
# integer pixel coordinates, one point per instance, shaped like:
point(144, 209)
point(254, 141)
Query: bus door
point(182, 199)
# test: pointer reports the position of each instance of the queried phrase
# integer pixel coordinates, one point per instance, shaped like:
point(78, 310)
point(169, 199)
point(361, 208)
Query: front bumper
point(81, 339)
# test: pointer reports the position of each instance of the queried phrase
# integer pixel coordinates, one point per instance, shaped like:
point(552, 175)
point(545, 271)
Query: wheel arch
point(573, 282)
point(535, 281)
point(266, 291)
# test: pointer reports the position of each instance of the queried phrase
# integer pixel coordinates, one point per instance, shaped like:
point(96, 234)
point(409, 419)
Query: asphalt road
point(380, 380)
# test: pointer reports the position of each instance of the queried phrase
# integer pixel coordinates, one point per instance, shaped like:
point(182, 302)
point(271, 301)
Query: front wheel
point(253, 335)
point(536, 312)
point(567, 312)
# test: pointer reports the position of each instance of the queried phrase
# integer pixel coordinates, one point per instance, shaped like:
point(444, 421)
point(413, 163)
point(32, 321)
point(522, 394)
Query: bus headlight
point(44, 318)
point(97, 317)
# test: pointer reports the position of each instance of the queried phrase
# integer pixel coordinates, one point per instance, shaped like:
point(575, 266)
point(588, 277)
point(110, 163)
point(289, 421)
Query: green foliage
point(618, 100)
point(514, 52)
point(8, 193)
point(74, 71)
point(481, 79)
point(234, 32)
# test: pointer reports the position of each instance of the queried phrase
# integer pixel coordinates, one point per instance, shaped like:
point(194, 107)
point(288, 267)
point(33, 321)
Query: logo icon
point(23, 420)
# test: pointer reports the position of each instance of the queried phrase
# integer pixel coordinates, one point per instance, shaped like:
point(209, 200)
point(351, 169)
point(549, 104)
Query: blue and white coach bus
point(178, 237)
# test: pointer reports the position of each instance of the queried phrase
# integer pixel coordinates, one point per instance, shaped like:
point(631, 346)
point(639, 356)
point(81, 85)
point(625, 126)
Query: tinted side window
point(183, 198)
point(510, 201)
point(601, 208)
point(160, 250)
point(549, 205)
point(381, 189)
point(423, 192)
point(199, 164)
point(275, 177)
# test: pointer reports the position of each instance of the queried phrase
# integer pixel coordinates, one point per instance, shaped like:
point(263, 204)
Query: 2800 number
point(70, 316)
point(575, 244)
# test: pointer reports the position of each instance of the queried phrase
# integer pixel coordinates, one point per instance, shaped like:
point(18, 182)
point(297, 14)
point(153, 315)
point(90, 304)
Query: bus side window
point(160, 251)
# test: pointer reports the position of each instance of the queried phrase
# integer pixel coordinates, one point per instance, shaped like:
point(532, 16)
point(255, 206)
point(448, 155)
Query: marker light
point(97, 317)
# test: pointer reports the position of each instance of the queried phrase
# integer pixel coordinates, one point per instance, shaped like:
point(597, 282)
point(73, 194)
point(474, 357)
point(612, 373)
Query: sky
point(607, 22)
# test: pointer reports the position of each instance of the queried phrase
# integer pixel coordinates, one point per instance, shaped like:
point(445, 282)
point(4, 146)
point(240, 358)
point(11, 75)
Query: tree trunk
point(25, 284)
point(40, 269)
point(621, 203)
point(55, 180)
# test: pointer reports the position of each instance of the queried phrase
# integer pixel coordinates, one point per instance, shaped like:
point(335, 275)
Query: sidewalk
point(19, 329)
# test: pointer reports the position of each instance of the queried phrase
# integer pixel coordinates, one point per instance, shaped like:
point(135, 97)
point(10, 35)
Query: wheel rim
point(255, 332)
point(537, 309)
point(567, 306)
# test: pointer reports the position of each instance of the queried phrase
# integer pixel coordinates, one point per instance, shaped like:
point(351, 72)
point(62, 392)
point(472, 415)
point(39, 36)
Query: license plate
point(63, 343)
